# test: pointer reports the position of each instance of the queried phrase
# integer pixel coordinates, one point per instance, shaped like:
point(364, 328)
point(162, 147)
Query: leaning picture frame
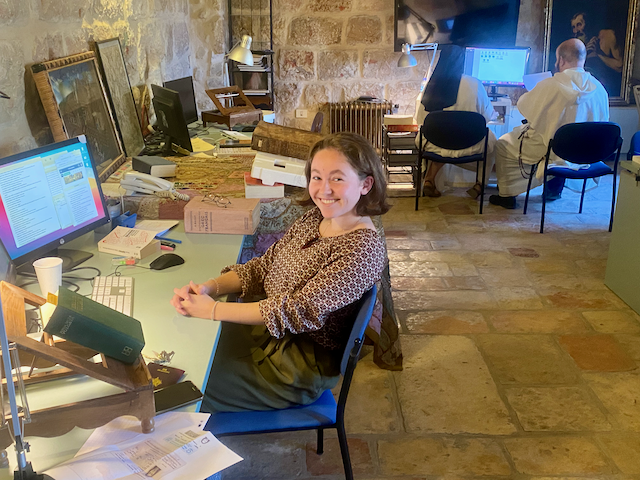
point(75, 103)
point(607, 29)
point(114, 73)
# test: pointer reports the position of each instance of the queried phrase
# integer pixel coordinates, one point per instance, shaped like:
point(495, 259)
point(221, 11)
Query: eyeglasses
point(220, 201)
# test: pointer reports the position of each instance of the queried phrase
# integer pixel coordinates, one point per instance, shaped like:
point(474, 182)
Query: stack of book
point(253, 78)
point(400, 123)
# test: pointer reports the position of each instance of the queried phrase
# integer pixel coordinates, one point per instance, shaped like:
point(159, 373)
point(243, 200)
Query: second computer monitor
point(497, 66)
point(184, 87)
point(169, 117)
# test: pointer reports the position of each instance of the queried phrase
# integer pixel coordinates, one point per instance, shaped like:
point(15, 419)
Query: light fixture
point(408, 60)
point(242, 52)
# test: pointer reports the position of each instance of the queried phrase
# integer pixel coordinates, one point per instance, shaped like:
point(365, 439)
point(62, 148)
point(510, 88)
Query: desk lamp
point(242, 51)
point(11, 363)
point(408, 60)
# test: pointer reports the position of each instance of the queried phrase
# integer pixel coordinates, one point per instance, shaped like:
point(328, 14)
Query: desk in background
point(192, 340)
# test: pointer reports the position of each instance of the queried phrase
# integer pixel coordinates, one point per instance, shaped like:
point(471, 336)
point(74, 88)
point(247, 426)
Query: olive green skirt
point(254, 371)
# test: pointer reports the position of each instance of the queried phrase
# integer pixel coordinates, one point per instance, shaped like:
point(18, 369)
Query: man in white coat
point(571, 95)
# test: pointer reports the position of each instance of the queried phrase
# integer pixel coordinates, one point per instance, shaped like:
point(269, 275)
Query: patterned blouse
point(311, 282)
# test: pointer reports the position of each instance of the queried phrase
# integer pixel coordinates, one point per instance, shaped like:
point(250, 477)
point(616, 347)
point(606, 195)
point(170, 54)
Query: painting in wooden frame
point(75, 103)
point(117, 84)
point(607, 29)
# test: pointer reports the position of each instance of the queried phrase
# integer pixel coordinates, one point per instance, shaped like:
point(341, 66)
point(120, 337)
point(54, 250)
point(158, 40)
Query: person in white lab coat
point(571, 95)
point(449, 89)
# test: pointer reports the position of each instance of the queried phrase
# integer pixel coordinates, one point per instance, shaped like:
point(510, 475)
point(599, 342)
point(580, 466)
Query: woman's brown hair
point(365, 161)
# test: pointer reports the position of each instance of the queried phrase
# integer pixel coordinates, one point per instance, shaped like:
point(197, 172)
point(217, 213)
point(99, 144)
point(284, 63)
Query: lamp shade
point(242, 52)
point(406, 59)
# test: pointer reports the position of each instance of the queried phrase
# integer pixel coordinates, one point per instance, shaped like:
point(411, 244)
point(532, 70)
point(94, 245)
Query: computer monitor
point(48, 197)
point(497, 67)
point(184, 87)
point(170, 119)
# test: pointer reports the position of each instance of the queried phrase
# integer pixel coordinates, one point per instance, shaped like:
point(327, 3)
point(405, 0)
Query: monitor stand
point(70, 260)
point(494, 95)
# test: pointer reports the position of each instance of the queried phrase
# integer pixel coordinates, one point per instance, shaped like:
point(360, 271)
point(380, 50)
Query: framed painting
point(75, 103)
point(117, 84)
point(607, 28)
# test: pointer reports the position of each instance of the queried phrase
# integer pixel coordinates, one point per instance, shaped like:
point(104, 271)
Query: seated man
point(571, 95)
point(449, 89)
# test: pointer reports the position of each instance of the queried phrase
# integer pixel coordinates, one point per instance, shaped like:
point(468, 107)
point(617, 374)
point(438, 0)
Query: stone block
point(338, 64)
point(11, 80)
point(364, 29)
point(56, 11)
point(289, 6)
point(403, 93)
point(13, 12)
point(181, 43)
point(557, 456)
point(382, 64)
point(526, 359)
point(330, 462)
point(446, 322)
point(623, 449)
point(287, 96)
point(75, 42)
point(446, 387)
point(351, 91)
point(442, 456)
point(373, 6)
point(295, 65)
point(597, 300)
point(613, 321)
point(314, 31)
point(516, 298)
point(330, 5)
point(48, 47)
point(556, 409)
point(620, 394)
point(419, 269)
point(108, 10)
point(315, 94)
point(539, 321)
point(600, 353)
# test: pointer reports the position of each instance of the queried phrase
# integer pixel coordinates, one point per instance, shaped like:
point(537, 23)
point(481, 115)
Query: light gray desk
point(193, 340)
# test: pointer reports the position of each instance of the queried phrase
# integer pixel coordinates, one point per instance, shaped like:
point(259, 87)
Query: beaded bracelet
point(217, 287)
point(213, 311)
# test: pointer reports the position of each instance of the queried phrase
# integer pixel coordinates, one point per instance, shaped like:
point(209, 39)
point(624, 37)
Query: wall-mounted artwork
point(607, 28)
point(75, 103)
point(119, 89)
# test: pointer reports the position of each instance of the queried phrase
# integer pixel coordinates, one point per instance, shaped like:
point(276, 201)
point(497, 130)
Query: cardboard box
point(240, 217)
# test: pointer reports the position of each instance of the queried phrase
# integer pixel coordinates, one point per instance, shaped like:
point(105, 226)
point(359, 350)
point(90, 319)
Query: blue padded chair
point(634, 146)
point(323, 413)
point(454, 130)
point(587, 143)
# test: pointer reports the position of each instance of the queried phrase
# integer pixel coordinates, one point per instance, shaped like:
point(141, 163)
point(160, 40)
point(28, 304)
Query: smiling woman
point(285, 349)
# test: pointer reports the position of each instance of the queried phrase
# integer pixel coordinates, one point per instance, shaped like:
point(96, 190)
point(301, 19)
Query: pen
point(167, 244)
point(168, 239)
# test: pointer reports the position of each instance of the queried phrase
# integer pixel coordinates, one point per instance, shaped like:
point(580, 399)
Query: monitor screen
point(184, 87)
point(497, 66)
point(477, 23)
point(48, 196)
point(169, 117)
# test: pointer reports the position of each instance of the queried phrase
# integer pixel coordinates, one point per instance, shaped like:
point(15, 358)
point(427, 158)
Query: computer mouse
point(165, 261)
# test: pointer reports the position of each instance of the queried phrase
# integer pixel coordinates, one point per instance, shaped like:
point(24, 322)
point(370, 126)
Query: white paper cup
point(49, 273)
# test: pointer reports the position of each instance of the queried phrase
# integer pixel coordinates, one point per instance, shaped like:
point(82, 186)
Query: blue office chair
point(454, 130)
point(634, 146)
point(587, 143)
point(323, 413)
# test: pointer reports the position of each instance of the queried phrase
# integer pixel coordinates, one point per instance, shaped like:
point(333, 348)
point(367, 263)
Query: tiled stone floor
point(519, 362)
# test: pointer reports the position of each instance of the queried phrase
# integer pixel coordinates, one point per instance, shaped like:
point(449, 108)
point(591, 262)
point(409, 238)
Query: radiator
point(365, 118)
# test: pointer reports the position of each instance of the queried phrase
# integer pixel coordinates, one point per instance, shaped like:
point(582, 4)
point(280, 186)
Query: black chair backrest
point(454, 130)
point(366, 303)
point(586, 142)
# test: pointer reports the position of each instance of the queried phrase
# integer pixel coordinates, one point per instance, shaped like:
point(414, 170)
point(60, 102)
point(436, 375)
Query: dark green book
point(90, 324)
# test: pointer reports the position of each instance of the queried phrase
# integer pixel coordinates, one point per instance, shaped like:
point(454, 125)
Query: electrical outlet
point(301, 113)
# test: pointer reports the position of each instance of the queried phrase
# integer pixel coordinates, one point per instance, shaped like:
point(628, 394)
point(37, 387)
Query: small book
point(254, 188)
point(130, 242)
point(403, 128)
point(163, 375)
point(83, 321)
point(156, 166)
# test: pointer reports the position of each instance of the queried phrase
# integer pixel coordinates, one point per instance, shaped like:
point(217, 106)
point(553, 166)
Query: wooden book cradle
point(241, 110)
point(137, 398)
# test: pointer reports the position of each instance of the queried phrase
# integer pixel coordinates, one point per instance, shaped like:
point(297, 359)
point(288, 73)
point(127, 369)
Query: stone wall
point(162, 40)
point(338, 50)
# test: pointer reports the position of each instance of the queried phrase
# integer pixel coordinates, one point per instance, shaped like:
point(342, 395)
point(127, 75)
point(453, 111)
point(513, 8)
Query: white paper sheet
point(178, 448)
point(158, 227)
point(530, 81)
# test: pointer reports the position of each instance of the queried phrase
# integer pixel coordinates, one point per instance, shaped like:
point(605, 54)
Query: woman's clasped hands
point(193, 300)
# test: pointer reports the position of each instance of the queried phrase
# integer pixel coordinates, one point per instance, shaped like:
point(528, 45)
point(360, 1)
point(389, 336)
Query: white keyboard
point(114, 292)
